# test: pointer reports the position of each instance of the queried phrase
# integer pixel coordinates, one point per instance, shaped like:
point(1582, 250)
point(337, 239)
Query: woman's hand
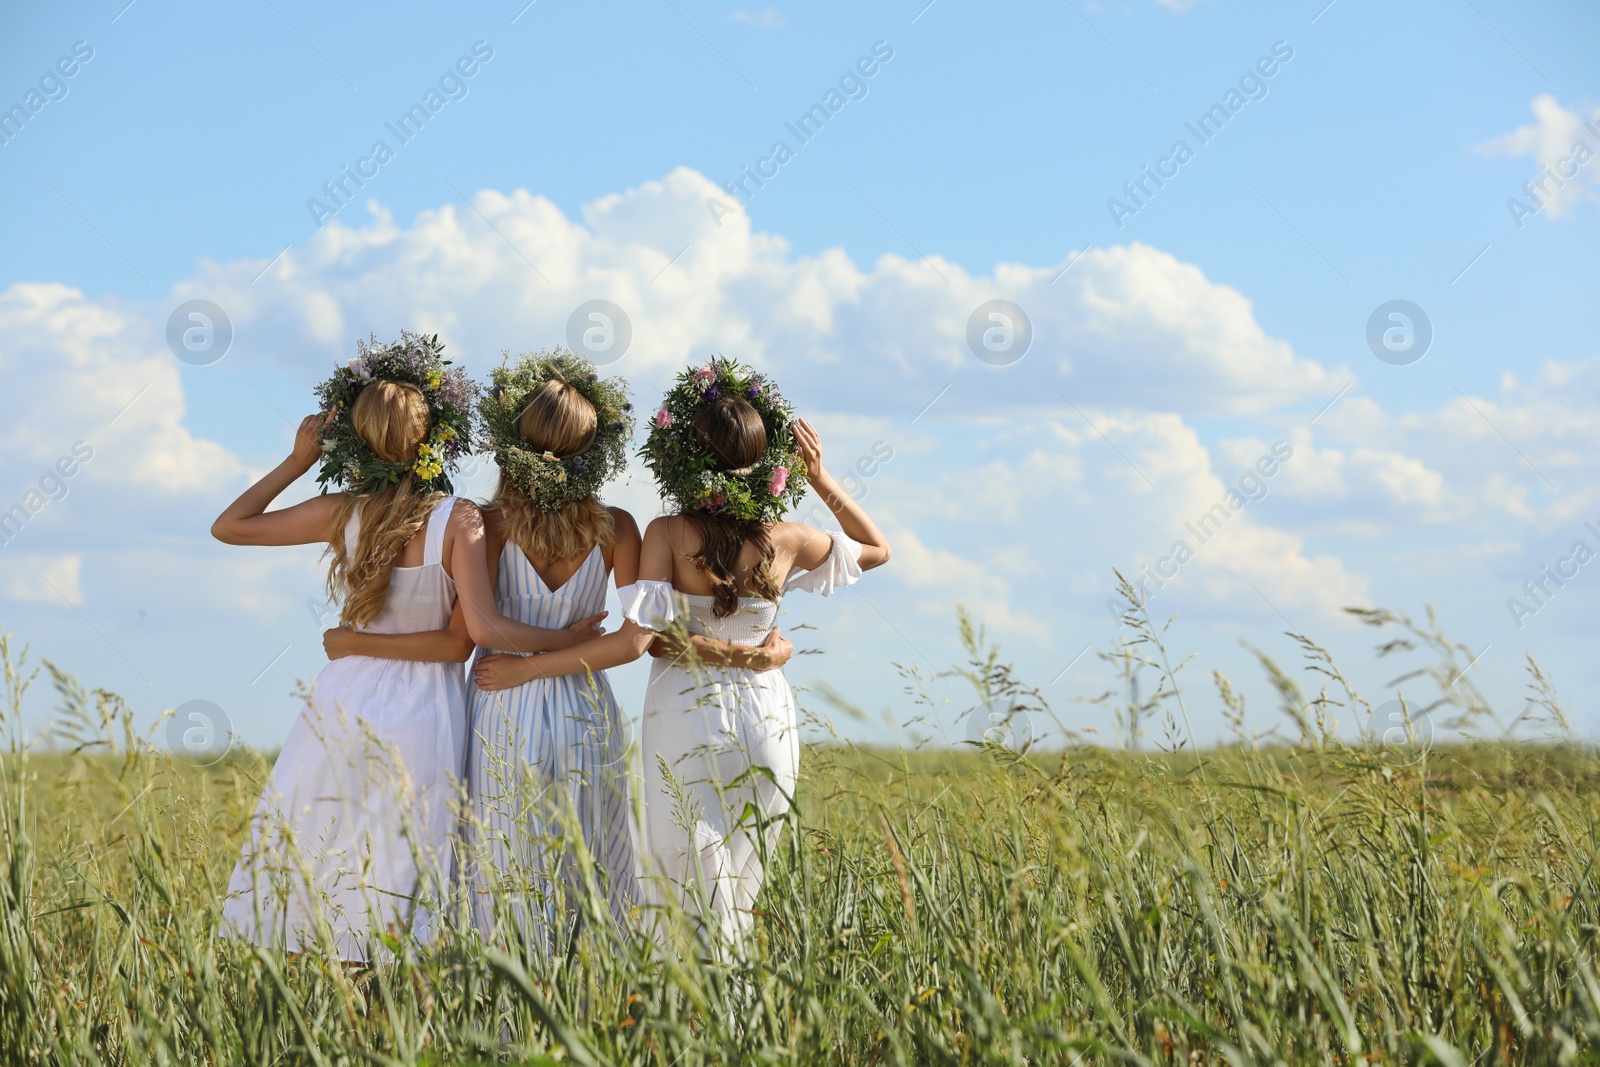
point(778, 651)
point(338, 642)
point(852, 518)
point(809, 444)
point(246, 521)
point(769, 655)
point(584, 629)
point(501, 671)
point(308, 440)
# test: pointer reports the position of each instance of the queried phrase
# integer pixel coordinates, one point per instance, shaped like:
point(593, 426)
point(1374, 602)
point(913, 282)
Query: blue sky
point(577, 162)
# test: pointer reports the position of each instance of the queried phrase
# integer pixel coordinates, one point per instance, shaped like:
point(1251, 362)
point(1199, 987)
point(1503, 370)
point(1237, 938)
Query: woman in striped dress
point(547, 762)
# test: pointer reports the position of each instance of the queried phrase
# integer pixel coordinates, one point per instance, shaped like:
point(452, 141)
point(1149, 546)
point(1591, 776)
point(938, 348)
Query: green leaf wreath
point(549, 480)
point(685, 469)
point(349, 463)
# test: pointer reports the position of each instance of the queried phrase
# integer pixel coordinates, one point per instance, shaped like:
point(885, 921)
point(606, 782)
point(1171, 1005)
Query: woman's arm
point(488, 628)
point(243, 522)
point(626, 645)
point(601, 653)
point(625, 548)
point(770, 655)
point(853, 519)
point(450, 645)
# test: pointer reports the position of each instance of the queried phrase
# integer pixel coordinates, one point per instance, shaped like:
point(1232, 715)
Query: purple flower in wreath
point(754, 390)
point(712, 393)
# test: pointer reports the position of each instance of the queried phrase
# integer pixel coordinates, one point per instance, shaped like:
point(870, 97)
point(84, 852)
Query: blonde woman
point(353, 828)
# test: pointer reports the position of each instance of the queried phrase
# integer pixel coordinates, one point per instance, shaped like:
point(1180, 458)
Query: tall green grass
point(1299, 901)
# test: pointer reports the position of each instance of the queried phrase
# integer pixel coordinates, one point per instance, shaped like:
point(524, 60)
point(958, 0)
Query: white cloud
point(44, 578)
point(1054, 506)
point(1004, 495)
point(1565, 144)
point(98, 374)
point(766, 19)
point(1128, 325)
point(952, 579)
point(1523, 451)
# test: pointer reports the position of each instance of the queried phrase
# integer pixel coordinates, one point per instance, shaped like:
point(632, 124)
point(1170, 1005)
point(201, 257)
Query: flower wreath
point(550, 481)
point(349, 463)
point(686, 470)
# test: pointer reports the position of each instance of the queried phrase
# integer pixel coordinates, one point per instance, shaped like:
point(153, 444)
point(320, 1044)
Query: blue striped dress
point(547, 760)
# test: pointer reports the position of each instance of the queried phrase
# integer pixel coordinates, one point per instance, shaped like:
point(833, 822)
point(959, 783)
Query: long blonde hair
point(560, 420)
point(392, 418)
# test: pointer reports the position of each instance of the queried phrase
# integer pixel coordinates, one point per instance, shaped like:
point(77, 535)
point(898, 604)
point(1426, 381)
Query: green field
point(1317, 902)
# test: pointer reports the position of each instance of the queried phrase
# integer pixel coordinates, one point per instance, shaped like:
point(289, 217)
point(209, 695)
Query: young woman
point(548, 758)
point(354, 824)
point(719, 738)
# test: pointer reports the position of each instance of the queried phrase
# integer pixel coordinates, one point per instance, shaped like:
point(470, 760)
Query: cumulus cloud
point(1523, 450)
point(939, 578)
point(1089, 443)
point(1126, 325)
point(100, 375)
point(1564, 144)
point(1045, 510)
point(43, 577)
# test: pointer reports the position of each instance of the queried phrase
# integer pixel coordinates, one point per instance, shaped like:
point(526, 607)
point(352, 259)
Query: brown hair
point(733, 432)
point(560, 420)
point(392, 418)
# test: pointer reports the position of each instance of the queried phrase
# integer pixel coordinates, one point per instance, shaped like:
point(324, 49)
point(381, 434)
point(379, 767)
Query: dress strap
point(352, 531)
point(433, 547)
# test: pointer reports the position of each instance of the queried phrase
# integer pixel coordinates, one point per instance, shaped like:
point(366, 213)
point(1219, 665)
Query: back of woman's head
point(392, 418)
point(557, 419)
point(731, 429)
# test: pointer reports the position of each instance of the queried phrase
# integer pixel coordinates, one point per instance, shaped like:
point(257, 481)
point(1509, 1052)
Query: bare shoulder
point(320, 510)
point(671, 527)
point(792, 537)
point(466, 516)
point(626, 528)
point(805, 546)
point(325, 503)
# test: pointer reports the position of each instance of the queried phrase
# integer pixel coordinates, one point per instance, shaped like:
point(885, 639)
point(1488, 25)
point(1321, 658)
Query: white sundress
point(703, 844)
point(355, 824)
point(544, 759)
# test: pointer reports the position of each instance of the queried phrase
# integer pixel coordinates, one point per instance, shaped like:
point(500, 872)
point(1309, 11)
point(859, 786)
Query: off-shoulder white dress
point(721, 751)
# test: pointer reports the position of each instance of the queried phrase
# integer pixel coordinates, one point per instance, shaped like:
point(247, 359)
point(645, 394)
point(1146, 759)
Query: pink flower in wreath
point(663, 419)
point(704, 373)
point(779, 479)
